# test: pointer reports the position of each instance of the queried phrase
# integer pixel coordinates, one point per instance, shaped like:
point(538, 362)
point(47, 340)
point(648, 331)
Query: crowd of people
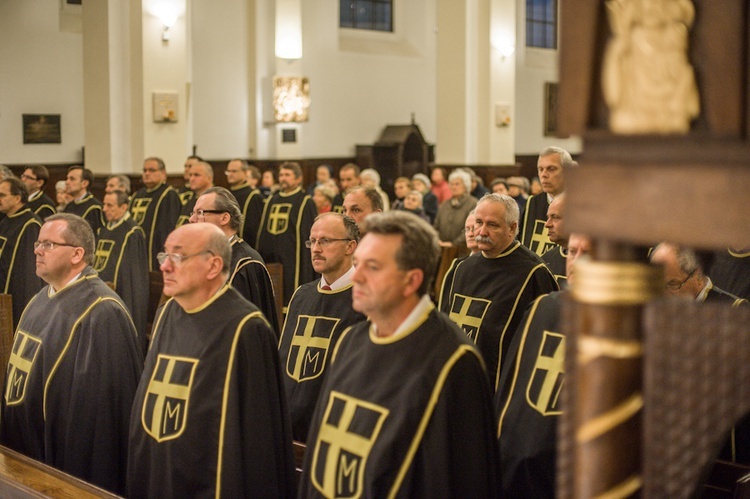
point(393, 388)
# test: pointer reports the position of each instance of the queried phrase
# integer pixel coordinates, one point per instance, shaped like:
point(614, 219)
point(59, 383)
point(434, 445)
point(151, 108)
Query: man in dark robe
point(405, 409)
point(84, 204)
point(730, 271)
point(248, 274)
point(318, 314)
point(249, 198)
point(527, 401)
point(155, 207)
point(122, 258)
point(19, 229)
point(210, 417)
point(489, 292)
point(74, 365)
point(185, 193)
point(285, 226)
point(556, 256)
point(551, 166)
point(35, 177)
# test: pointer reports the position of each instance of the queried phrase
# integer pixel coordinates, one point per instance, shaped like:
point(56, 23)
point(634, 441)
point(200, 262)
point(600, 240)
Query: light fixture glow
point(291, 98)
point(167, 12)
point(504, 45)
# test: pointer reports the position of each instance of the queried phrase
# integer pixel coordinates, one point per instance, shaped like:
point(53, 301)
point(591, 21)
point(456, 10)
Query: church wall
point(41, 72)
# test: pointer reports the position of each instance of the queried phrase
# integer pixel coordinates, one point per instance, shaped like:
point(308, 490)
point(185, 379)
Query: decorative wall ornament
point(648, 82)
point(291, 98)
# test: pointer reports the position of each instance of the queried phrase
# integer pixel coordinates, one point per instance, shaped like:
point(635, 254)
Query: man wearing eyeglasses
point(35, 177)
point(285, 225)
point(684, 276)
point(121, 258)
point(210, 414)
point(74, 366)
point(19, 229)
point(318, 314)
point(555, 257)
point(155, 207)
point(406, 407)
point(248, 274)
point(248, 198)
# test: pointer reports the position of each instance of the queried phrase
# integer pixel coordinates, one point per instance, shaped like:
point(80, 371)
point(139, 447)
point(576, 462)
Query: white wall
point(41, 72)
point(360, 82)
point(534, 67)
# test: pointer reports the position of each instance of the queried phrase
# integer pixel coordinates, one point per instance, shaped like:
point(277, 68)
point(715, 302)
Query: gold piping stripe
point(591, 347)
point(616, 283)
point(600, 425)
point(624, 489)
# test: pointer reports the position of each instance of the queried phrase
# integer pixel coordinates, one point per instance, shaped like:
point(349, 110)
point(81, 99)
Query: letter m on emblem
point(347, 434)
point(167, 399)
point(22, 357)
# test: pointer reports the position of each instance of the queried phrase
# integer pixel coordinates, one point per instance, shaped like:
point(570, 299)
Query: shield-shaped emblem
point(138, 209)
point(546, 380)
point(101, 256)
point(347, 434)
point(22, 357)
point(278, 218)
point(540, 242)
point(167, 400)
point(468, 312)
point(308, 351)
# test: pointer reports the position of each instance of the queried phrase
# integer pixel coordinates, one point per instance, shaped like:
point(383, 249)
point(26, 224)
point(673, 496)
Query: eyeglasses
point(150, 170)
point(202, 213)
point(232, 171)
point(676, 286)
point(28, 177)
point(323, 242)
point(469, 228)
point(49, 245)
point(176, 258)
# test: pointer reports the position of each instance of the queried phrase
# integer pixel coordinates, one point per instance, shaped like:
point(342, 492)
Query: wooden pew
point(22, 477)
point(6, 332)
point(276, 271)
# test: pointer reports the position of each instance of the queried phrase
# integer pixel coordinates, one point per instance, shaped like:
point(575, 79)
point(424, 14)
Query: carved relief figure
point(648, 81)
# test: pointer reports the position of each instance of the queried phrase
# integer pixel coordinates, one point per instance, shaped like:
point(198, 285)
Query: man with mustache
point(489, 292)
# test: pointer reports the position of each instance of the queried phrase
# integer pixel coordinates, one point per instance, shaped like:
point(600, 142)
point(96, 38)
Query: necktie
point(326, 287)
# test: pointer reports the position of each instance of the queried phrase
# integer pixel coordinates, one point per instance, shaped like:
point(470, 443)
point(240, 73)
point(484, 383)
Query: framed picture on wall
point(550, 109)
point(41, 129)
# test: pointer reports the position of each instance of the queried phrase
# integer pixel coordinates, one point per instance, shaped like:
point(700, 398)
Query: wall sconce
point(504, 45)
point(167, 12)
point(291, 99)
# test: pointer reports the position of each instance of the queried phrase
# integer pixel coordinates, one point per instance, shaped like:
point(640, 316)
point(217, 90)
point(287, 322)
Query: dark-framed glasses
point(202, 213)
point(177, 259)
point(676, 286)
point(27, 177)
point(323, 242)
point(50, 245)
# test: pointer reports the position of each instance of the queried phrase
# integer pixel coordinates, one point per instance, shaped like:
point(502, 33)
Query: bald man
point(210, 416)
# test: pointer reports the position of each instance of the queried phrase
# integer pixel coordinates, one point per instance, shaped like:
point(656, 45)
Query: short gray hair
point(565, 158)
point(124, 181)
point(464, 176)
point(512, 213)
point(225, 201)
point(77, 232)
point(350, 226)
point(371, 174)
point(218, 244)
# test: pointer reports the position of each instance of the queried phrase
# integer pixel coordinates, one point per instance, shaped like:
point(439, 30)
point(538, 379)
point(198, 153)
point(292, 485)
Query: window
point(366, 14)
point(541, 23)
